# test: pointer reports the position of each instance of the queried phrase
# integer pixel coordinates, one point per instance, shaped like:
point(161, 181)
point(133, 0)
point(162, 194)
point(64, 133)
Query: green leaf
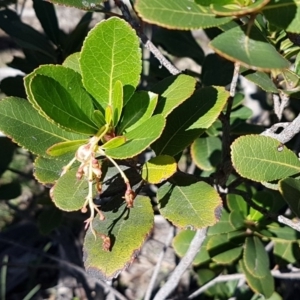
point(138, 109)
point(117, 101)
point(21, 122)
point(175, 14)
point(172, 92)
point(297, 64)
point(114, 142)
point(72, 62)
point(55, 101)
point(292, 81)
point(291, 78)
point(283, 233)
point(223, 251)
point(237, 101)
point(237, 203)
point(271, 186)
point(256, 258)
point(283, 14)
point(159, 169)
point(68, 79)
point(69, 193)
point(206, 152)
point(252, 51)
point(85, 4)
point(188, 204)
point(261, 79)
point(139, 138)
point(243, 113)
point(223, 226)
point(278, 202)
point(110, 52)
point(113, 182)
point(127, 230)
point(262, 199)
point(237, 237)
point(213, 101)
point(290, 190)
point(65, 147)
point(48, 170)
point(263, 286)
point(181, 243)
point(108, 114)
point(257, 158)
point(237, 219)
point(98, 118)
point(286, 252)
point(236, 8)
point(188, 121)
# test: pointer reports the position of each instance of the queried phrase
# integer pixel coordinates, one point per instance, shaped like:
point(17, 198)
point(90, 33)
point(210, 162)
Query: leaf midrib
point(274, 162)
point(35, 127)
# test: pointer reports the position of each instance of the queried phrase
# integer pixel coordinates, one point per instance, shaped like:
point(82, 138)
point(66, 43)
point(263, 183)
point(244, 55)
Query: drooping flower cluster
point(90, 170)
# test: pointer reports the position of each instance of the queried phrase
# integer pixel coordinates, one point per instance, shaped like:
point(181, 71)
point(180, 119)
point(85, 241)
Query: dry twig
point(279, 106)
point(224, 278)
point(158, 264)
point(290, 129)
point(185, 262)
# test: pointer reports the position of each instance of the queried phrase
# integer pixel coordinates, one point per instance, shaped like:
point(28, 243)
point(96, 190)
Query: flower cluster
point(90, 170)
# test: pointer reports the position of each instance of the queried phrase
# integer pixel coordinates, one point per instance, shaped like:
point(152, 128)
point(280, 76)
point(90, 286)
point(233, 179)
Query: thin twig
point(159, 56)
point(185, 262)
point(191, 168)
point(109, 294)
point(279, 106)
point(147, 43)
point(22, 8)
point(66, 264)
point(235, 183)
point(224, 278)
point(235, 78)
point(291, 275)
point(158, 264)
point(211, 283)
point(288, 222)
point(269, 246)
point(288, 132)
